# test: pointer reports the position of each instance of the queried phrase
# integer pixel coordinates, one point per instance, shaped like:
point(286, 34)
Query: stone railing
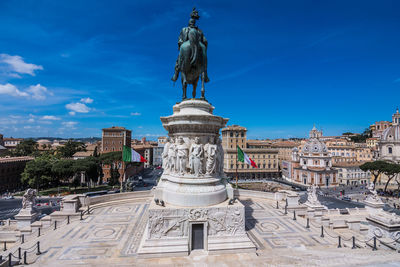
point(117, 197)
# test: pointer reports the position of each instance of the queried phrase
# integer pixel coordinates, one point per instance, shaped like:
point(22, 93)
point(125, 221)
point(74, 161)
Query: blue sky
point(70, 68)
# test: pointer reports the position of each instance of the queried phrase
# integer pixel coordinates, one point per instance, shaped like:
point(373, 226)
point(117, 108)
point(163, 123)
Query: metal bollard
point(374, 248)
point(38, 234)
point(81, 215)
point(277, 204)
point(19, 253)
point(68, 219)
point(38, 248)
point(294, 215)
point(88, 209)
point(286, 209)
point(5, 246)
point(9, 259)
point(22, 238)
point(354, 243)
point(308, 223)
point(25, 262)
point(322, 231)
point(55, 225)
point(340, 242)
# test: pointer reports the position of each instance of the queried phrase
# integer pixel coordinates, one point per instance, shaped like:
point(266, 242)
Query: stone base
point(25, 218)
point(169, 230)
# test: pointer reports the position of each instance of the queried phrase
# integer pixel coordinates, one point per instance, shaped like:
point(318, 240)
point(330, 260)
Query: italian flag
point(242, 157)
point(130, 155)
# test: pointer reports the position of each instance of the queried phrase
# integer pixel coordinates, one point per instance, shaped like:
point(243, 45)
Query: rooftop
point(234, 128)
point(13, 159)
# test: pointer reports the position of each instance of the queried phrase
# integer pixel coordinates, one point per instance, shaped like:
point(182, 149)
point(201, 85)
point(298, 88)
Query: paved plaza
point(110, 236)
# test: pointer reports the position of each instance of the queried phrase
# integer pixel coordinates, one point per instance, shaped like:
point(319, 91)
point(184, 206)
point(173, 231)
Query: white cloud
point(50, 117)
point(17, 64)
point(87, 100)
point(135, 114)
point(77, 107)
point(72, 113)
point(9, 89)
point(69, 124)
point(31, 120)
point(38, 92)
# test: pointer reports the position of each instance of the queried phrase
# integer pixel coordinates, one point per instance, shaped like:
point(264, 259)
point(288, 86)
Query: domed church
point(312, 165)
point(389, 144)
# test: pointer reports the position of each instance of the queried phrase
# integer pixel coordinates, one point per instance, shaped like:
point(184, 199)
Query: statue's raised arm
point(192, 59)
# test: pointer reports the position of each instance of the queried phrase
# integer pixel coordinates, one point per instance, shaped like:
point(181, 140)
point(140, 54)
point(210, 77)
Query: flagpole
point(236, 173)
point(237, 135)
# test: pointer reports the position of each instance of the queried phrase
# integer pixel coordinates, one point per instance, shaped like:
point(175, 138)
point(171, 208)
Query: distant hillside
point(83, 139)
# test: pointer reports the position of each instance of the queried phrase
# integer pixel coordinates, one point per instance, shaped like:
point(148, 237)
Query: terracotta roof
point(234, 127)
point(13, 139)
point(348, 164)
point(13, 159)
point(285, 144)
point(115, 128)
point(83, 154)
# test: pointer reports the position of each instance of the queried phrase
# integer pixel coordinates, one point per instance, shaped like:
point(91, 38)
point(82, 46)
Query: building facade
point(113, 140)
point(10, 173)
point(312, 164)
point(260, 152)
point(351, 174)
point(11, 143)
point(378, 128)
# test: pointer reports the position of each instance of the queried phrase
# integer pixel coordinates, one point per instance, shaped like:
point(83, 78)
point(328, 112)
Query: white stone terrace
point(110, 236)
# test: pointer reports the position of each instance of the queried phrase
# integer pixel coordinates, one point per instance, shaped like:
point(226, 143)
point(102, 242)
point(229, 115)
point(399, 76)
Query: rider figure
point(184, 36)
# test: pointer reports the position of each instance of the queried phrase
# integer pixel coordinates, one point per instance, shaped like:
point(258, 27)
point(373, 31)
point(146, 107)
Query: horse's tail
point(194, 46)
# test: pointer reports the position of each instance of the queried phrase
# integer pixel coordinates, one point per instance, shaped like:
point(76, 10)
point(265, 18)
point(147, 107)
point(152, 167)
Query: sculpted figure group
point(196, 158)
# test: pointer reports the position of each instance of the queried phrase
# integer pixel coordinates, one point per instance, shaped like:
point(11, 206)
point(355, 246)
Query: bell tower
point(396, 117)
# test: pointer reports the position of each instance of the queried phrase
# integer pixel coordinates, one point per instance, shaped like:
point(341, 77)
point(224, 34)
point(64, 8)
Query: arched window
point(390, 150)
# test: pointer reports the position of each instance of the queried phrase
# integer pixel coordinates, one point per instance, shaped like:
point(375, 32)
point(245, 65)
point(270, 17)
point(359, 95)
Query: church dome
point(391, 134)
point(314, 145)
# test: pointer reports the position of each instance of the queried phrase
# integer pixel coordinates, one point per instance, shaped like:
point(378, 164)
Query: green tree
point(391, 170)
point(26, 148)
point(90, 166)
point(95, 152)
point(70, 148)
point(114, 175)
point(63, 169)
point(375, 167)
point(37, 173)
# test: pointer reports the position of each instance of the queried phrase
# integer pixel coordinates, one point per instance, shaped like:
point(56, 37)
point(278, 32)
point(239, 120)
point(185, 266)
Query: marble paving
point(111, 236)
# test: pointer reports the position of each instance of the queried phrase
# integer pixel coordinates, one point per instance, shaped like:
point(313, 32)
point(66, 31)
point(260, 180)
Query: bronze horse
point(191, 63)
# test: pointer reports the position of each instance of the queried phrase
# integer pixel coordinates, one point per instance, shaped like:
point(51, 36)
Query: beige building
point(11, 143)
point(351, 174)
point(260, 152)
point(378, 128)
point(372, 142)
point(285, 149)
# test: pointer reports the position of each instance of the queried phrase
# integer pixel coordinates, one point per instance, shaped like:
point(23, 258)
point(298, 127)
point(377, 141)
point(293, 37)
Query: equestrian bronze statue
point(192, 59)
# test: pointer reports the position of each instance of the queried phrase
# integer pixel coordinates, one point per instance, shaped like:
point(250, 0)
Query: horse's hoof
point(175, 77)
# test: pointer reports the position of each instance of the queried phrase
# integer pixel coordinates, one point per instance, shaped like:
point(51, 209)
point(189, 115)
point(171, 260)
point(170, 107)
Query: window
point(390, 150)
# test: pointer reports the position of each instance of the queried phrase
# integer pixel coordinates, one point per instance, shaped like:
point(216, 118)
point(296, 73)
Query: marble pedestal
point(25, 217)
point(382, 224)
point(169, 230)
point(194, 190)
